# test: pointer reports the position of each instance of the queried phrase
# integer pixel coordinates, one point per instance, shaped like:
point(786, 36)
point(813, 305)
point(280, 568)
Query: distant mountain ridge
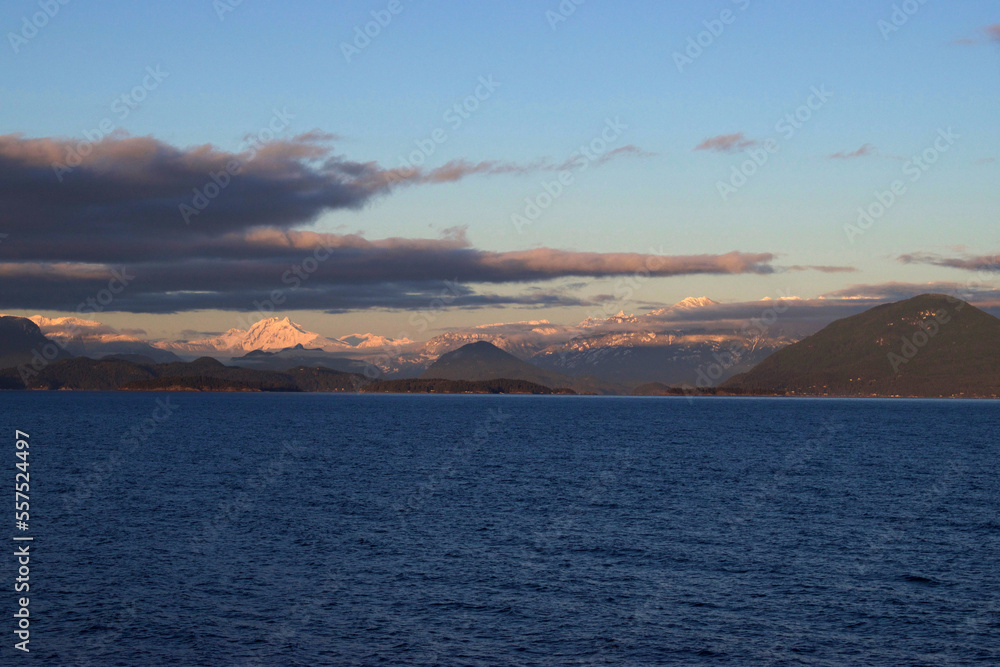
point(22, 342)
point(482, 360)
point(79, 336)
point(205, 374)
point(621, 350)
point(274, 334)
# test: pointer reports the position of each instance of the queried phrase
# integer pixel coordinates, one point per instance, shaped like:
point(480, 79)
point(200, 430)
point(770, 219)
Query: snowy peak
point(269, 334)
point(368, 340)
point(619, 318)
point(276, 333)
point(688, 304)
point(695, 302)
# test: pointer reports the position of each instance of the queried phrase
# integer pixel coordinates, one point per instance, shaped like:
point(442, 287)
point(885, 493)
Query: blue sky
point(558, 84)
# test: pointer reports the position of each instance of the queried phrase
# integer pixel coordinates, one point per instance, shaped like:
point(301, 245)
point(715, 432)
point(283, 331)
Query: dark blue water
point(376, 529)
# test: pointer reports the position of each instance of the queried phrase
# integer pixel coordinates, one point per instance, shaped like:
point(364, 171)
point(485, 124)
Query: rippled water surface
point(378, 529)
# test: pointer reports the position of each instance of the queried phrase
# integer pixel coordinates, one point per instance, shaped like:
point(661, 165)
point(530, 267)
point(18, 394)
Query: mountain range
point(620, 350)
point(275, 333)
point(931, 345)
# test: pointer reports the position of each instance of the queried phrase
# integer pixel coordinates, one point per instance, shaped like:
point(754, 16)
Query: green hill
point(930, 345)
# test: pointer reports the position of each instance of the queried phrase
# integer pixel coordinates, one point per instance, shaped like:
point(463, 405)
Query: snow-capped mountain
point(669, 345)
point(619, 318)
point(695, 302)
point(634, 357)
point(89, 338)
point(690, 303)
point(277, 334)
point(269, 334)
point(368, 340)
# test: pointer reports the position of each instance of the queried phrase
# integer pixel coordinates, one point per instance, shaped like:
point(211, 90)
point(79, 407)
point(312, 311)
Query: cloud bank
point(155, 228)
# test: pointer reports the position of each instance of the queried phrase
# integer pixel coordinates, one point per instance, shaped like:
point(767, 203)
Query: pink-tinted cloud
point(456, 170)
point(822, 268)
point(897, 291)
point(727, 143)
point(629, 150)
point(990, 33)
point(978, 263)
point(865, 151)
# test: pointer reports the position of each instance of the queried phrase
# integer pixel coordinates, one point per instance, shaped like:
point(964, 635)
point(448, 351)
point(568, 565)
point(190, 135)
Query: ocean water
point(259, 529)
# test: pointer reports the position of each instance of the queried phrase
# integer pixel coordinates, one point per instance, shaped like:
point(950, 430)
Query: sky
point(489, 161)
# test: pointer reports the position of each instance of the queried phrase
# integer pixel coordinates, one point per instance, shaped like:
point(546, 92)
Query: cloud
point(797, 316)
point(350, 272)
point(979, 263)
point(991, 33)
point(456, 170)
point(865, 151)
point(897, 291)
point(727, 143)
point(118, 214)
point(630, 150)
point(130, 188)
point(822, 268)
point(126, 187)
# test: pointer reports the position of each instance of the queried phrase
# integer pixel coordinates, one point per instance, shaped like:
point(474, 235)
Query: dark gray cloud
point(984, 263)
point(355, 274)
point(199, 228)
point(974, 292)
point(135, 187)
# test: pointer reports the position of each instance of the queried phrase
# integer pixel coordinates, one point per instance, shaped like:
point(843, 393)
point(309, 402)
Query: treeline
point(438, 386)
point(205, 374)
